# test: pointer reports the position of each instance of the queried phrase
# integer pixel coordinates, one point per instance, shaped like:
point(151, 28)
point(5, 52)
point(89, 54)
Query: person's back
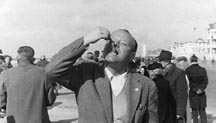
point(198, 81)
point(174, 74)
point(28, 92)
point(196, 75)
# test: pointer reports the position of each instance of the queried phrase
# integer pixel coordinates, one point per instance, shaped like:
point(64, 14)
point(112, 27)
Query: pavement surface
point(64, 109)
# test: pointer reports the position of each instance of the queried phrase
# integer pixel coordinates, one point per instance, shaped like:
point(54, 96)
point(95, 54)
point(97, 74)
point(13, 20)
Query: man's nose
point(115, 44)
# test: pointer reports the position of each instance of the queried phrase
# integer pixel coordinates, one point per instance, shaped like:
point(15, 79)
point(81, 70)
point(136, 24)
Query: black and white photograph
point(107, 61)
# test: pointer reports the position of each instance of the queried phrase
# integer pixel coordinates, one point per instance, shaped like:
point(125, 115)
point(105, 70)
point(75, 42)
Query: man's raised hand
point(95, 35)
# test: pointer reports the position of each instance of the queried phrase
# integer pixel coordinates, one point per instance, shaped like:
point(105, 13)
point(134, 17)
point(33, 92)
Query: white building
point(204, 49)
point(144, 50)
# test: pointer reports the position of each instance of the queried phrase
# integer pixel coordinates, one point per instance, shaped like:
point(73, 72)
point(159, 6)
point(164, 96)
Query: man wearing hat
point(166, 101)
point(178, 83)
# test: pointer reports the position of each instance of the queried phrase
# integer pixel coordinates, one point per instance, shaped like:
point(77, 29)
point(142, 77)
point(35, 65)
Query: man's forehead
point(121, 34)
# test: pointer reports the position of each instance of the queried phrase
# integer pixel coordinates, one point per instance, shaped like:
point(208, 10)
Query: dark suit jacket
point(92, 88)
point(198, 79)
point(178, 85)
point(42, 63)
point(167, 103)
point(28, 91)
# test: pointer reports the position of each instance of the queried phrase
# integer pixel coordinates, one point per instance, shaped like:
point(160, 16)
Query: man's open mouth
point(115, 51)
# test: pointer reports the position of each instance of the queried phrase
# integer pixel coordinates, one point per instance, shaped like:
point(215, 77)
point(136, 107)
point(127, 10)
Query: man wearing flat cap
point(182, 63)
point(178, 83)
point(25, 90)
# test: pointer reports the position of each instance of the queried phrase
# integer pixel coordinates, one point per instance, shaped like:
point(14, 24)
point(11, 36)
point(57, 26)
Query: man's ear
point(33, 59)
point(132, 55)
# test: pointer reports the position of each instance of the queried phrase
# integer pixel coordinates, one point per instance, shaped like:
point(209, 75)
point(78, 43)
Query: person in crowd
point(96, 56)
point(2, 109)
point(178, 83)
point(132, 67)
point(166, 101)
point(109, 93)
point(4, 66)
point(26, 91)
point(144, 71)
point(90, 56)
point(2, 60)
point(182, 63)
point(42, 62)
point(7, 62)
point(1, 63)
point(198, 81)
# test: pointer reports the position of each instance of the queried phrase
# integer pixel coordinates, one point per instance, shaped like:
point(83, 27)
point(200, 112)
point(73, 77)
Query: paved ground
point(65, 109)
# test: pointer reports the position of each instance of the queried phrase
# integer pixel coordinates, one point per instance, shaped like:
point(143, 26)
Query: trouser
point(201, 112)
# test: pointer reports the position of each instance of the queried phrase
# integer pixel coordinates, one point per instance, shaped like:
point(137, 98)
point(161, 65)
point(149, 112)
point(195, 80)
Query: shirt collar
point(194, 63)
point(110, 75)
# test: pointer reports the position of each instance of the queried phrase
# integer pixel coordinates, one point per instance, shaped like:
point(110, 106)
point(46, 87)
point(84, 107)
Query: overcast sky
point(49, 25)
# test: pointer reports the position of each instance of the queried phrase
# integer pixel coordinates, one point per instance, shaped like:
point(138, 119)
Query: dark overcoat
point(92, 88)
point(42, 63)
point(26, 92)
point(167, 103)
point(178, 86)
point(198, 79)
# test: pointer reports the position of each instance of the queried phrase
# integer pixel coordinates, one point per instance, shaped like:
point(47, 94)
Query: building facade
point(204, 49)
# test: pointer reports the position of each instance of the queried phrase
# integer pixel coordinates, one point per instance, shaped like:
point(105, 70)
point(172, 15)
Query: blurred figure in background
point(96, 56)
point(7, 63)
point(90, 57)
point(3, 108)
point(178, 84)
point(144, 71)
point(42, 62)
point(182, 63)
point(132, 67)
point(26, 91)
point(198, 81)
point(166, 101)
point(1, 63)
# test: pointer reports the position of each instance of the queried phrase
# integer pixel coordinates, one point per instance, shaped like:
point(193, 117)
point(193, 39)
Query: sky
point(49, 25)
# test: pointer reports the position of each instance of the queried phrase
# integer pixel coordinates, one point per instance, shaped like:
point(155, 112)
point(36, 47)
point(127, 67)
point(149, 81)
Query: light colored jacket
point(92, 88)
point(26, 92)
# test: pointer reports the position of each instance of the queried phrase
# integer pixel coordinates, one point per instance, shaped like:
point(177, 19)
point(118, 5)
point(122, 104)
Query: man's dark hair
point(26, 51)
point(5, 56)
point(193, 58)
point(2, 58)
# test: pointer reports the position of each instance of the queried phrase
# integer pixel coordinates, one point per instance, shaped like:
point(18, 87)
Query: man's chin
point(110, 59)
